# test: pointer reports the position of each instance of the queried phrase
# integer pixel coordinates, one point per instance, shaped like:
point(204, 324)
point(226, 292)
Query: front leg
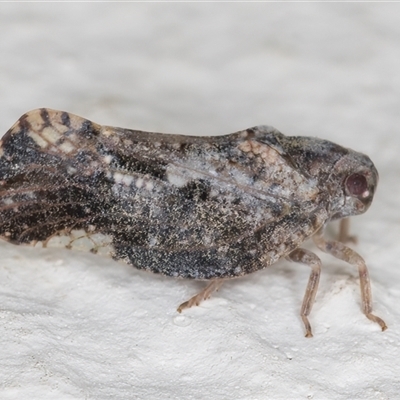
point(342, 252)
point(344, 232)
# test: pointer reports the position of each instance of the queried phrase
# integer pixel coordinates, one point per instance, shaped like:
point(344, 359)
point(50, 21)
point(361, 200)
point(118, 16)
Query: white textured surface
point(77, 326)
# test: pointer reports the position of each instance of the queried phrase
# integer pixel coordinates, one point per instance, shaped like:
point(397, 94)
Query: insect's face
point(360, 179)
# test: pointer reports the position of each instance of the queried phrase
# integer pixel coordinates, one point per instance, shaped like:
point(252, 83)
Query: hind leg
point(203, 295)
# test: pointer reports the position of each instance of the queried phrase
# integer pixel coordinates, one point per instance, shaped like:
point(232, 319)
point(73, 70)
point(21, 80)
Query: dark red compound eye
point(356, 184)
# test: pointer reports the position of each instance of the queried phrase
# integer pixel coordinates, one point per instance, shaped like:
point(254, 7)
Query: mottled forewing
point(49, 176)
point(198, 207)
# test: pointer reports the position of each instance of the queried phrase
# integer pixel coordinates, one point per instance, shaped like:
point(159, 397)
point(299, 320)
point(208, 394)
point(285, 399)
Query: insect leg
point(307, 257)
point(214, 285)
point(342, 252)
point(344, 232)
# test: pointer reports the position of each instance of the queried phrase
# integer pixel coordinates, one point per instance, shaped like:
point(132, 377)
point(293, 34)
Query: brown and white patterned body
point(183, 206)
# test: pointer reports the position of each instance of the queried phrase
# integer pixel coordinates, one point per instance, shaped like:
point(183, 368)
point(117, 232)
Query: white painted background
point(76, 326)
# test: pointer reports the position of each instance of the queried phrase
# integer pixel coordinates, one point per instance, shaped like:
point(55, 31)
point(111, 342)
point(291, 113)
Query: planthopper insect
point(207, 208)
